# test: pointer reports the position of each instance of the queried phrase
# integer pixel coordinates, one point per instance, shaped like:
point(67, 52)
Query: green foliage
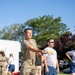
point(46, 27)
point(14, 32)
point(43, 28)
point(65, 43)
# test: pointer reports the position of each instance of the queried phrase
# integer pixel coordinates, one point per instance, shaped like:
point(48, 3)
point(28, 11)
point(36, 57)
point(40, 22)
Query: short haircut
point(49, 39)
point(27, 29)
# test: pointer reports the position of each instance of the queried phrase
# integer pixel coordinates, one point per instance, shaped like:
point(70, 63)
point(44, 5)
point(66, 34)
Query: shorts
point(11, 68)
point(72, 67)
point(52, 71)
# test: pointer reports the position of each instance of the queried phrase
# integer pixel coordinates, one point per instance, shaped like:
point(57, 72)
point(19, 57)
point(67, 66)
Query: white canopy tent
point(13, 47)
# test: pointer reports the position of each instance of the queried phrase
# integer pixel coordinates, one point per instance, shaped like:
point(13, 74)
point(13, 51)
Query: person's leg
point(25, 68)
point(3, 70)
point(13, 68)
point(72, 68)
point(9, 72)
point(36, 70)
point(52, 71)
point(39, 70)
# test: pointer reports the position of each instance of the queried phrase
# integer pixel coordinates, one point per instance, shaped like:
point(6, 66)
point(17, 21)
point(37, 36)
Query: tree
point(46, 27)
point(14, 32)
point(65, 43)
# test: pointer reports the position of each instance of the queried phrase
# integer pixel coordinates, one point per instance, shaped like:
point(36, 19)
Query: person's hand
point(38, 53)
point(58, 70)
point(47, 70)
point(43, 52)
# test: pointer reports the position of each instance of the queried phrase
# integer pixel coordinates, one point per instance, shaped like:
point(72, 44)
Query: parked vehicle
point(66, 71)
point(63, 65)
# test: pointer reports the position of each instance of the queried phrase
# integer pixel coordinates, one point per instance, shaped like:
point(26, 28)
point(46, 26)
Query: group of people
point(49, 54)
point(30, 49)
point(6, 64)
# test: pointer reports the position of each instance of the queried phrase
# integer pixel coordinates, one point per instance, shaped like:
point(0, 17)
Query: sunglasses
point(51, 42)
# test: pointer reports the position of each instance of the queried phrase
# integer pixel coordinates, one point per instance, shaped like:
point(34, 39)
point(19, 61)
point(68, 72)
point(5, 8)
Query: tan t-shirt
point(28, 54)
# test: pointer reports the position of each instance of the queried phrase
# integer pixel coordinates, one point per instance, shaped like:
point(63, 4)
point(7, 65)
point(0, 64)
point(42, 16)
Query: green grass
point(63, 74)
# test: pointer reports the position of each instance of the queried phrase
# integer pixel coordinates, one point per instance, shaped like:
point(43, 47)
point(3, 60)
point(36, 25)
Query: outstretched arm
point(35, 49)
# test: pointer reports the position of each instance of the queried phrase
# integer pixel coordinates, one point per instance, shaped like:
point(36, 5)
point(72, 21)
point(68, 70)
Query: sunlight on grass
point(63, 74)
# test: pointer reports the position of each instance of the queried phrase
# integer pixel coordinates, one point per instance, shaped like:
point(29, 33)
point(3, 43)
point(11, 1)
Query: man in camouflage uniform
point(3, 60)
point(29, 48)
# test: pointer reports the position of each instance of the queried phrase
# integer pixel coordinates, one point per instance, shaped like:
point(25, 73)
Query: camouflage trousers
point(27, 68)
point(2, 70)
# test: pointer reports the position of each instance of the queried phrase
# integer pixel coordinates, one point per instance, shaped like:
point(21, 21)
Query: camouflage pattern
point(28, 54)
point(28, 64)
point(2, 65)
point(29, 69)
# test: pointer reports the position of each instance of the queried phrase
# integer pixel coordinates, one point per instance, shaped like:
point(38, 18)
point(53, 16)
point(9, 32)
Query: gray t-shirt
point(51, 58)
point(72, 53)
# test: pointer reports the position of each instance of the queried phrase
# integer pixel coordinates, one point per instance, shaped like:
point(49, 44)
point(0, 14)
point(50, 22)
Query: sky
point(19, 11)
